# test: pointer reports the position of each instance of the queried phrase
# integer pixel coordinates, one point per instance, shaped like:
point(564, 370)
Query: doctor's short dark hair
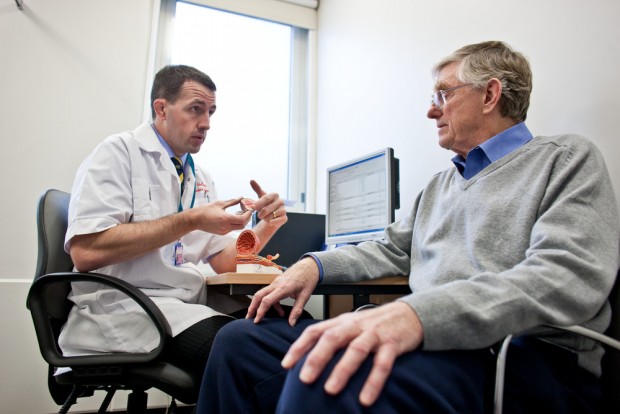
point(169, 80)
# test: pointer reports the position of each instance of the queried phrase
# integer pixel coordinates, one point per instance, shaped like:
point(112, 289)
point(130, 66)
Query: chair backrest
point(52, 213)
point(52, 216)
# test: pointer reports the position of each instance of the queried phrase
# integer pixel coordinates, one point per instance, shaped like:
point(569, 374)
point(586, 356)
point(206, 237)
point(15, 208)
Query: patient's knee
point(234, 332)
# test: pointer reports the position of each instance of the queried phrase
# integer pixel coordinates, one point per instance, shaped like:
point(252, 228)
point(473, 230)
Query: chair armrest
point(501, 356)
point(500, 374)
point(37, 303)
point(589, 333)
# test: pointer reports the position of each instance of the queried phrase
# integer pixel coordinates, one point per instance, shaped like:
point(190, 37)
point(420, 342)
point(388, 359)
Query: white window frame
point(302, 17)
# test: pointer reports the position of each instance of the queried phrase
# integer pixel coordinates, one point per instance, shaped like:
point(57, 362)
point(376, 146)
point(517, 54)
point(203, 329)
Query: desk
point(250, 283)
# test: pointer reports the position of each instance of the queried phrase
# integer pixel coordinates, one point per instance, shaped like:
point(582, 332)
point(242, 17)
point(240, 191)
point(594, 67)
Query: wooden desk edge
point(232, 278)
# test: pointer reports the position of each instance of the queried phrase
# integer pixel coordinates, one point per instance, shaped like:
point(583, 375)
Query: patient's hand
point(298, 282)
point(388, 331)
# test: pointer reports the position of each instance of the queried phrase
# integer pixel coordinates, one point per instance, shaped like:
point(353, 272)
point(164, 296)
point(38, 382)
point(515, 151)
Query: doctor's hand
point(387, 331)
point(269, 207)
point(298, 282)
point(213, 218)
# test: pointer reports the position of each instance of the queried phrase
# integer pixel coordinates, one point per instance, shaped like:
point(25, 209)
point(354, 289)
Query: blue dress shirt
point(492, 150)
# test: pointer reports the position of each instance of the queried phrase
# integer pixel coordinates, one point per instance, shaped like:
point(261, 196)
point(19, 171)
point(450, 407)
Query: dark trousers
point(244, 375)
point(191, 348)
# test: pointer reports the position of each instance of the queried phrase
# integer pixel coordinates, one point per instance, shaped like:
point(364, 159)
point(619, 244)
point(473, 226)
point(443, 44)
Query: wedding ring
point(274, 214)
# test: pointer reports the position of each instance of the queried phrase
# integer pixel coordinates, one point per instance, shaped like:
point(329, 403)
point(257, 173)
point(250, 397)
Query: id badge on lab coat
point(178, 254)
point(174, 253)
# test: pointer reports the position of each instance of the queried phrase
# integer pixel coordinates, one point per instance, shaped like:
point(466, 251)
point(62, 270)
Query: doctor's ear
point(159, 105)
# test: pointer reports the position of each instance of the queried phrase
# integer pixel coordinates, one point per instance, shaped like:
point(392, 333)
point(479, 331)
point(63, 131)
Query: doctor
point(134, 215)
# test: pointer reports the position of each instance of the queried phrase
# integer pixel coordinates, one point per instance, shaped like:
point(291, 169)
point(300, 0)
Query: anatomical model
point(248, 261)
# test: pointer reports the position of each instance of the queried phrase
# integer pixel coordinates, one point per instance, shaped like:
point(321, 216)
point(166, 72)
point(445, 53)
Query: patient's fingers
point(381, 369)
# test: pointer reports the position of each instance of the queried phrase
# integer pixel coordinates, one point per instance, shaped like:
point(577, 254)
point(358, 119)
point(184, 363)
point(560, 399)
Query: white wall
point(74, 71)
point(71, 73)
point(374, 80)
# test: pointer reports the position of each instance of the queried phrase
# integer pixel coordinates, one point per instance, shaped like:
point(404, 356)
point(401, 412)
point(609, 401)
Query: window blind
point(299, 13)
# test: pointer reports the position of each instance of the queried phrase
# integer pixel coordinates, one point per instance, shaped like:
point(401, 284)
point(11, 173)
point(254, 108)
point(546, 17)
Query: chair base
point(137, 402)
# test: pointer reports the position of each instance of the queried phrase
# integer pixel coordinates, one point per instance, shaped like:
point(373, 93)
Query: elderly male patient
point(520, 232)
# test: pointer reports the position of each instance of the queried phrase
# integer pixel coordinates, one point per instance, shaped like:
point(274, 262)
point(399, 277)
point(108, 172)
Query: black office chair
point(610, 364)
point(49, 307)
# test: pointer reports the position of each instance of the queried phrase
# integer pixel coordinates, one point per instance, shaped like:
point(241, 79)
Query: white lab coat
point(129, 178)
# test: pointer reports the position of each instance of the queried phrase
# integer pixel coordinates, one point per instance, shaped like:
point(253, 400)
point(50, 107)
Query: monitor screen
point(362, 195)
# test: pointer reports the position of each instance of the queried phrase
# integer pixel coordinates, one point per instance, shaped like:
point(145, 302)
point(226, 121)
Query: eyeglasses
point(439, 97)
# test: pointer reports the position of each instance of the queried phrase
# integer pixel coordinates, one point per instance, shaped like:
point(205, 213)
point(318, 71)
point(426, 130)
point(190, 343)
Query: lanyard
point(190, 161)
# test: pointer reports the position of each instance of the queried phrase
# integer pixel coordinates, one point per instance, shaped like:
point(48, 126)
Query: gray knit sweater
point(532, 239)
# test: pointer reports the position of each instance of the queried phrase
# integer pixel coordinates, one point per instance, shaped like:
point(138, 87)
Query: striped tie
point(178, 164)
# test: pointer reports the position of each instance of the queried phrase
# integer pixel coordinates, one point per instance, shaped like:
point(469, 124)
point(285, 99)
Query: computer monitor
point(362, 195)
point(302, 233)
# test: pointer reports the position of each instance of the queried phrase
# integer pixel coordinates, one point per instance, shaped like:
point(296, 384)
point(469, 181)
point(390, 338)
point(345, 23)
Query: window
point(259, 130)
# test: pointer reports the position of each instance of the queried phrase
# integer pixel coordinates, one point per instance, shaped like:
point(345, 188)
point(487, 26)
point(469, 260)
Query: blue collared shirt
point(492, 150)
point(167, 147)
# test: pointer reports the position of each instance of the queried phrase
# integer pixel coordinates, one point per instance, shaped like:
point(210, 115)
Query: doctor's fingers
point(246, 217)
point(257, 188)
point(238, 221)
point(228, 203)
point(214, 220)
point(269, 204)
